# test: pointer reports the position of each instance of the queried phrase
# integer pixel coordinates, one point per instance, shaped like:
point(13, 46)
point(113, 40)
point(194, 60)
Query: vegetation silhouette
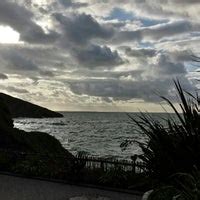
point(181, 186)
point(20, 151)
point(175, 147)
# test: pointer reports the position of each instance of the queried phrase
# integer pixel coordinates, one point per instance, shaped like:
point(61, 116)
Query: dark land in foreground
point(19, 150)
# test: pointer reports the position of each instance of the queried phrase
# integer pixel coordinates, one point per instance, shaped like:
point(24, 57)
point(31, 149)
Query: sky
point(99, 55)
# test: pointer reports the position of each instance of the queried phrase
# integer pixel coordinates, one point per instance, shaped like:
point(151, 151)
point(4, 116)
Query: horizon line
point(71, 111)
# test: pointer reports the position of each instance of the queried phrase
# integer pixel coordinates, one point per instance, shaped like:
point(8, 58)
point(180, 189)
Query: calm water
point(97, 134)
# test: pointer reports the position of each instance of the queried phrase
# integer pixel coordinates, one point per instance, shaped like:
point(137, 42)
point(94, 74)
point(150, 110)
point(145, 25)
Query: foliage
point(116, 175)
point(183, 186)
point(175, 147)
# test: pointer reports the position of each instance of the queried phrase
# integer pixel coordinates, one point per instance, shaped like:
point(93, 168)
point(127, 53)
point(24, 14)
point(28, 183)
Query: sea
point(98, 134)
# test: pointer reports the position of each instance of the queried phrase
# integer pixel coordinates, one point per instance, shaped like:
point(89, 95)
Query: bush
point(175, 147)
point(182, 186)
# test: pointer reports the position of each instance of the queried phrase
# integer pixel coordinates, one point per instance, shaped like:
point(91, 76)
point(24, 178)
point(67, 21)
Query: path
point(17, 188)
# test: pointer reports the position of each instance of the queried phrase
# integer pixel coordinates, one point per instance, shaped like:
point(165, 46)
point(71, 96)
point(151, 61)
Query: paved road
point(17, 188)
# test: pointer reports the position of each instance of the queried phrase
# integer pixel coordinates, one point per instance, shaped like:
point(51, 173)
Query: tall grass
point(175, 147)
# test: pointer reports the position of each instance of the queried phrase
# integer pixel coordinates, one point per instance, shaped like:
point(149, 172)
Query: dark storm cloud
point(124, 36)
point(95, 56)
point(81, 28)
point(132, 84)
point(71, 3)
point(32, 61)
point(167, 67)
point(124, 90)
point(181, 55)
point(170, 29)
point(21, 20)
point(16, 90)
point(78, 32)
point(44, 56)
point(19, 62)
point(37, 35)
point(3, 76)
point(47, 73)
point(127, 85)
point(181, 1)
point(108, 74)
point(140, 52)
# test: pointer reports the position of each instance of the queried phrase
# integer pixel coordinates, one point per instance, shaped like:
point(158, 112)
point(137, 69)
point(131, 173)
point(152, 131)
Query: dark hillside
point(20, 108)
point(30, 153)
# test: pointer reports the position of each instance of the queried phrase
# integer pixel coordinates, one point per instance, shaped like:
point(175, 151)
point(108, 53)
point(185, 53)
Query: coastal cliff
point(21, 108)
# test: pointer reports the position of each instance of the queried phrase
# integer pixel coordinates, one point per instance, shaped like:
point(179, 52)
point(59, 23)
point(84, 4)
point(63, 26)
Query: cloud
point(105, 54)
point(147, 90)
point(16, 90)
point(170, 29)
point(181, 55)
point(21, 20)
point(69, 3)
point(186, 2)
point(120, 14)
point(47, 73)
point(153, 9)
point(13, 89)
point(17, 61)
point(33, 61)
point(127, 36)
point(3, 76)
point(157, 32)
point(96, 56)
point(167, 67)
point(140, 52)
point(79, 29)
point(146, 83)
point(107, 74)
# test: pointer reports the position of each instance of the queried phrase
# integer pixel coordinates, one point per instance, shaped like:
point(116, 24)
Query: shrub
point(182, 186)
point(175, 147)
